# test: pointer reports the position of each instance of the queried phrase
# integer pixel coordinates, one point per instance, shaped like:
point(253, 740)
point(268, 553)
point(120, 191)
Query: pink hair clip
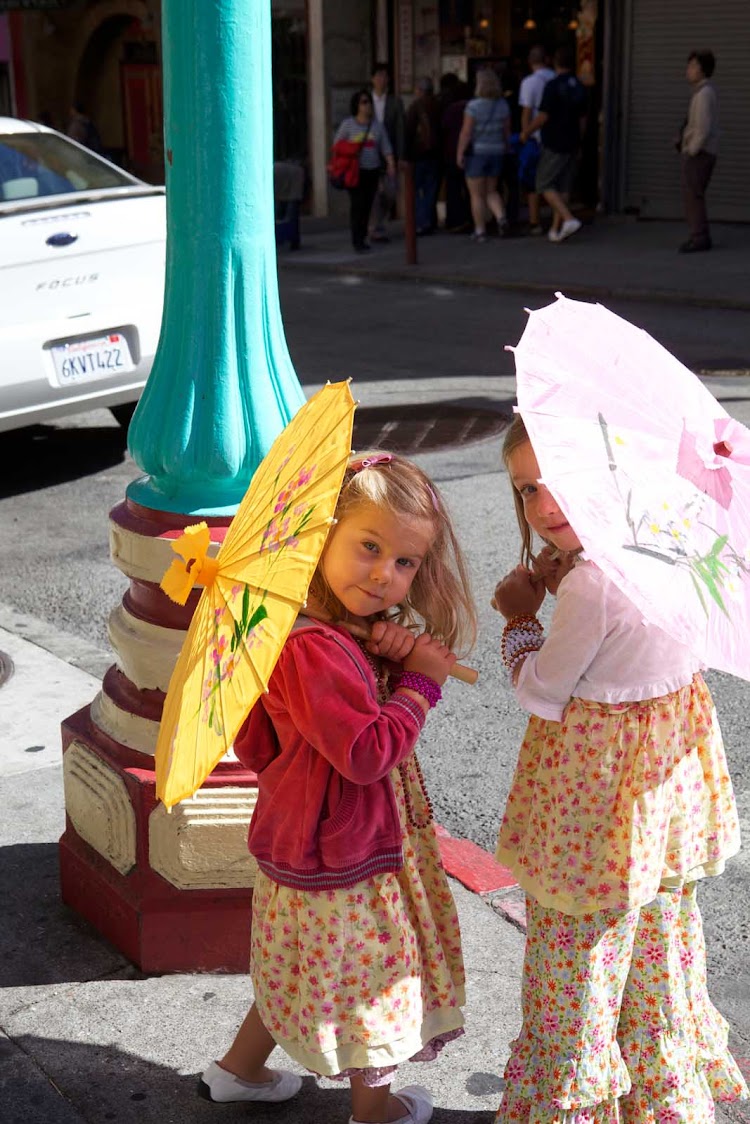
point(370, 462)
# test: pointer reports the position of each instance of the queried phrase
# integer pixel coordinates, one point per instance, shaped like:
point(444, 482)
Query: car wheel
point(122, 414)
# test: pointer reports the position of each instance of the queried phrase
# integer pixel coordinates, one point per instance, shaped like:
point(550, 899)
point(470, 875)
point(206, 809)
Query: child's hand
point(551, 566)
point(391, 641)
point(430, 657)
point(519, 593)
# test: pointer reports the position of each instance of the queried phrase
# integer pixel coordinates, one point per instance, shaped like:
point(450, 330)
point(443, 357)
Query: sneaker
point(417, 1100)
point(554, 236)
point(692, 247)
point(222, 1087)
point(478, 236)
point(535, 231)
point(570, 226)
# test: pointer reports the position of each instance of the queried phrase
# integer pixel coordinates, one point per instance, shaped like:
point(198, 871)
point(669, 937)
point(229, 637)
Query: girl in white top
point(620, 801)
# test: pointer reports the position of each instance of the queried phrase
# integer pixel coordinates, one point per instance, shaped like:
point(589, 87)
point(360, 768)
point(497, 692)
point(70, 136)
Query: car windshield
point(33, 165)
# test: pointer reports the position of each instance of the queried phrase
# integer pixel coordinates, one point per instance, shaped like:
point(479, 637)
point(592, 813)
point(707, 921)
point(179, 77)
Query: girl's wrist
point(422, 685)
point(523, 634)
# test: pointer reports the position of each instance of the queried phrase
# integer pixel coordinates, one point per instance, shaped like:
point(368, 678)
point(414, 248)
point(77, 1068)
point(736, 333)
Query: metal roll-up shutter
point(662, 35)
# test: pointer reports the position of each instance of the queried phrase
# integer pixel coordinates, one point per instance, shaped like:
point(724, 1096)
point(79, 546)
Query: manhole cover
point(6, 667)
point(425, 427)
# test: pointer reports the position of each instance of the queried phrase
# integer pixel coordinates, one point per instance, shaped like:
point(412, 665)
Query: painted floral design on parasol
point(665, 534)
point(252, 590)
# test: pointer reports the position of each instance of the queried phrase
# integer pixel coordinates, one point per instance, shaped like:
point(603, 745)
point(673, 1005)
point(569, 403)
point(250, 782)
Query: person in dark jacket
point(423, 150)
point(453, 97)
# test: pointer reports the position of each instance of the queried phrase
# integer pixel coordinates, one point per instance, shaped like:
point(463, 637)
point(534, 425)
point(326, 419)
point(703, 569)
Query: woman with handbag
point(483, 142)
point(360, 147)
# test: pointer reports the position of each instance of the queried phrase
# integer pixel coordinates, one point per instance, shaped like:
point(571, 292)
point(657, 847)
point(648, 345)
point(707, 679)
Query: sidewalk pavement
point(611, 257)
point(86, 1037)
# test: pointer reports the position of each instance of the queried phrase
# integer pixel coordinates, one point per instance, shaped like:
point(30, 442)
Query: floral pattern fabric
point(618, 1027)
point(619, 800)
point(365, 978)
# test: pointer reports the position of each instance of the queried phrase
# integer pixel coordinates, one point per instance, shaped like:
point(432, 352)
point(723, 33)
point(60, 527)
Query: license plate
point(86, 360)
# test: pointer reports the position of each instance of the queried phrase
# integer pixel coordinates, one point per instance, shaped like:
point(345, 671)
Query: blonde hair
point(515, 437)
point(440, 597)
point(488, 84)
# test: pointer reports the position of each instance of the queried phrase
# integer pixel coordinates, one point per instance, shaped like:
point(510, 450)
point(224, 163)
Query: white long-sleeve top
point(701, 132)
point(600, 648)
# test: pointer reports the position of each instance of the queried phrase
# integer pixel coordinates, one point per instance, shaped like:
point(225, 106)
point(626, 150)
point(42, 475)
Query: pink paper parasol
point(650, 470)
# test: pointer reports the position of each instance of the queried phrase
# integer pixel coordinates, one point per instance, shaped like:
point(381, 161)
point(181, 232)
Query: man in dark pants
point(698, 147)
point(389, 111)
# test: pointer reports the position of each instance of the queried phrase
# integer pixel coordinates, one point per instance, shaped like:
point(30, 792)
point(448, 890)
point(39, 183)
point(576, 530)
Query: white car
point(82, 247)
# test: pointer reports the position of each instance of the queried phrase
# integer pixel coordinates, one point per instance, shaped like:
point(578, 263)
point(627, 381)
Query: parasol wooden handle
point(458, 671)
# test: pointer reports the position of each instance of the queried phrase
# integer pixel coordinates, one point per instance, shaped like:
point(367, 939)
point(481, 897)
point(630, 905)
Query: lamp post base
point(171, 890)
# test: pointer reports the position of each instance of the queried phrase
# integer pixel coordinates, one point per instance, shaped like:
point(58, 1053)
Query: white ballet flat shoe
point(417, 1100)
point(223, 1087)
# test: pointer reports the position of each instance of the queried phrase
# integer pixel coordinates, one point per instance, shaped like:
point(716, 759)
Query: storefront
point(461, 36)
point(654, 42)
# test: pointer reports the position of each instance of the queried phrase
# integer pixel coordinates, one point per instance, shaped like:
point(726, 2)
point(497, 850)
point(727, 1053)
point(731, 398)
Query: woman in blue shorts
point(481, 146)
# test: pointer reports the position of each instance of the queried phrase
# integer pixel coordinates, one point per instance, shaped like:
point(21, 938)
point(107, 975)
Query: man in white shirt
point(530, 98)
point(389, 111)
point(698, 146)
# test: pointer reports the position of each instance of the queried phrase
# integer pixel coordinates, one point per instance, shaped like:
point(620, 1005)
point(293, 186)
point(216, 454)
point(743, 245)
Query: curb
point(610, 292)
point(477, 870)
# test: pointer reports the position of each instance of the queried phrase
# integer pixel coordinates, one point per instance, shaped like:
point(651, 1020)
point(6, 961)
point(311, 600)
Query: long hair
point(514, 438)
point(440, 597)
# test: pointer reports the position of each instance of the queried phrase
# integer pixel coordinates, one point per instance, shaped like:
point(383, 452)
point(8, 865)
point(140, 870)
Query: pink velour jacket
point(323, 746)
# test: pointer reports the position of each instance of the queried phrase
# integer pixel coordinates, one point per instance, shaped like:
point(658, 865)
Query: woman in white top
point(620, 802)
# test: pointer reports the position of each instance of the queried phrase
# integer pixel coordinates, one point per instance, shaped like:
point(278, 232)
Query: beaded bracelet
point(522, 635)
point(422, 684)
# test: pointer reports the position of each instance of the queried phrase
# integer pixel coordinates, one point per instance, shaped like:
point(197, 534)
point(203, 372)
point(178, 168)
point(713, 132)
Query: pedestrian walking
point(373, 149)
point(356, 957)
point(560, 120)
point(453, 101)
point(620, 802)
point(530, 99)
point(484, 138)
point(423, 151)
point(699, 145)
point(389, 112)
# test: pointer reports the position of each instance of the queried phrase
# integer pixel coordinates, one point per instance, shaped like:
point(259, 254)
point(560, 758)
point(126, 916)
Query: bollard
point(410, 220)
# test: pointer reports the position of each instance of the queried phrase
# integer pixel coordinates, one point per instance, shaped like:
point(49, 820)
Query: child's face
point(542, 511)
point(372, 558)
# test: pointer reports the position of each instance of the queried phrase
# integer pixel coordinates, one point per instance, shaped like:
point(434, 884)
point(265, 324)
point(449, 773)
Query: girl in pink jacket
point(356, 954)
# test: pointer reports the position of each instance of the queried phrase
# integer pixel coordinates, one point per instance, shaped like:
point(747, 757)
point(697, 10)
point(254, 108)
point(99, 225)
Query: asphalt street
point(404, 345)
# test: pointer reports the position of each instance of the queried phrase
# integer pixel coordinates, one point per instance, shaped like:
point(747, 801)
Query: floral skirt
point(618, 801)
point(360, 980)
point(618, 1027)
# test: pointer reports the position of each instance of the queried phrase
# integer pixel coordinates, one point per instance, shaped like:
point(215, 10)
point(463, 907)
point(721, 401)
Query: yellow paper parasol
point(253, 590)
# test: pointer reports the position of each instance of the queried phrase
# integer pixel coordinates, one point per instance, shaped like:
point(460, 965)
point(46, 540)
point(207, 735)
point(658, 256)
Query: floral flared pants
point(618, 1027)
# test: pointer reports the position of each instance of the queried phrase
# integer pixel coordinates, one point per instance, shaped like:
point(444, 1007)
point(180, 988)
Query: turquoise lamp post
point(173, 892)
point(222, 386)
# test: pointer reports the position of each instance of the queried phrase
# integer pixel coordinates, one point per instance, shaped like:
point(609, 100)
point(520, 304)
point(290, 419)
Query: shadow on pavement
point(43, 455)
point(68, 1082)
point(41, 941)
